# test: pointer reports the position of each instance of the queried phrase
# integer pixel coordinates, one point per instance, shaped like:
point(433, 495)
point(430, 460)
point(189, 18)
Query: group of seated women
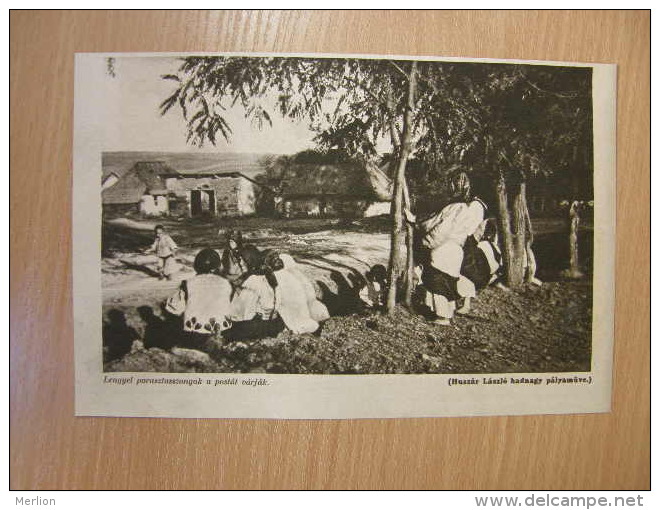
point(245, 294)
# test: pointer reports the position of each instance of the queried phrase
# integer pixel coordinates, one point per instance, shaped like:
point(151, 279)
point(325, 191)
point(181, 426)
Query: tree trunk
point(574, 223)
point(397, 228)
point(410, 262)
point(399, 182)
point(573, 226)
point(504, 220)
point(516, 273)
point(529, 240)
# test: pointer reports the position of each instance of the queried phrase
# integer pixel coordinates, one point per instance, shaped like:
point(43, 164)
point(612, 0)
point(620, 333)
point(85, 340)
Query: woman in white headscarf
point(443, 235)
point(317, 310)
point(254, 305)
point(273, 297)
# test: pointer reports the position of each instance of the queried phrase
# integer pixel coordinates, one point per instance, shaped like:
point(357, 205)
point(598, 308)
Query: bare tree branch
point(398, 68)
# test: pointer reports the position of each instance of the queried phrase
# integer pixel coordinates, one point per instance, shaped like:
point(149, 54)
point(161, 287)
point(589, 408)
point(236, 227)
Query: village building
point(348, 190)
point(154, 188)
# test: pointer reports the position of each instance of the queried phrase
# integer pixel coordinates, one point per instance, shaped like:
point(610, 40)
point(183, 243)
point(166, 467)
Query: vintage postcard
point(342, 236)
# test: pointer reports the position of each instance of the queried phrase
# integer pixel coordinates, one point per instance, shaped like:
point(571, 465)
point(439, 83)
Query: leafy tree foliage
point(506, 124)
point(352, 104)
point(342, 99)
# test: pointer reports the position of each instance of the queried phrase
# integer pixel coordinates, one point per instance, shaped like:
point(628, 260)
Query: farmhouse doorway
point(202, 202)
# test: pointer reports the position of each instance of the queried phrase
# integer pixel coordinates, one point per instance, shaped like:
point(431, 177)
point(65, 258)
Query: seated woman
point(253, 307)
point(482, 263)
point(270, 299)
point(317, 310)
point(233, 264)
point(203, 300)
point(373, 292)
point(291, 297)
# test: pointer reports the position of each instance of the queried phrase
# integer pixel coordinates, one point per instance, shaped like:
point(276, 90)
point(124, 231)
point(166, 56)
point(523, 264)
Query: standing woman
point(443, 235)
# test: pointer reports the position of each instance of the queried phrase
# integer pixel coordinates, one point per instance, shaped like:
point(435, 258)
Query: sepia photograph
point(344, 216)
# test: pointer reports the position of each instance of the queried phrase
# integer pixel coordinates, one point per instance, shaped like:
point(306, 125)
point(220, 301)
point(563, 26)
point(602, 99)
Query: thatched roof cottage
point(349, 189)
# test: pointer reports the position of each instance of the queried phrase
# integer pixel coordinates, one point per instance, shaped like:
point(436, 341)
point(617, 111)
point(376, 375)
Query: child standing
point(164, 248)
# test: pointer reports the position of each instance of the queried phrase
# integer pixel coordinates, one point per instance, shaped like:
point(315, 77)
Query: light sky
point(133, 121)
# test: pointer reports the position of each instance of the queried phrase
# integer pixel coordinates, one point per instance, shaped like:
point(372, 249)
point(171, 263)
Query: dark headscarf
point(207, 261)
point(459, 186)
point(253, 258)
point(271, 263)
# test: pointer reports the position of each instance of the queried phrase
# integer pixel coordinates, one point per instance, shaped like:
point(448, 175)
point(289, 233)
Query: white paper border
point(333, 396)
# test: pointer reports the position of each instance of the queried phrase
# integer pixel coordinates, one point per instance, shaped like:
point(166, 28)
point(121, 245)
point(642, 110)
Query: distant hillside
point(121, 162)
